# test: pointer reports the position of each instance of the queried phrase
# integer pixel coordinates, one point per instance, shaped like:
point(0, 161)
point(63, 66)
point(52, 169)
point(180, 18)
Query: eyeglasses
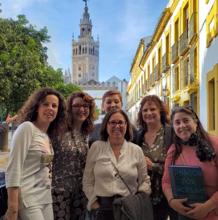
point(115, 123)
point(85, 106)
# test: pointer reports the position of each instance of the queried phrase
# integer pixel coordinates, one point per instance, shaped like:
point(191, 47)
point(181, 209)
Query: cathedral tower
point(85, 63)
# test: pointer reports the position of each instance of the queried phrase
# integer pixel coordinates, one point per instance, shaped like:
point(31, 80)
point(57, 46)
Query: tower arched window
point(79, 49)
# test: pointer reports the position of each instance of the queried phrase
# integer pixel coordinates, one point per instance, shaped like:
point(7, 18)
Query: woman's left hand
point(149, 163)
point(198, 211)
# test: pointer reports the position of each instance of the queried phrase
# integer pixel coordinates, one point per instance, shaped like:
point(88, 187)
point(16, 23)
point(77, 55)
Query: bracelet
point(170, 200)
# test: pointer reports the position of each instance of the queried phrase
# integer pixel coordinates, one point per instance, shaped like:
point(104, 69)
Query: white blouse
point(100, 176)
point(29, 165)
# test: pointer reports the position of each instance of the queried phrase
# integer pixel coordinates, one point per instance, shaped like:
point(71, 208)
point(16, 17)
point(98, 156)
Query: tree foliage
point(23, 62)
point(67, 89)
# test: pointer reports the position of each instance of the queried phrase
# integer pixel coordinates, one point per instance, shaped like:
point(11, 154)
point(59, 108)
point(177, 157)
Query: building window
point(193, 101)
point(185, 20)
point(212, 24)
point(211, 94)
point(167, 50)
point(176, 79)
point(212, 99)
point(176, 32)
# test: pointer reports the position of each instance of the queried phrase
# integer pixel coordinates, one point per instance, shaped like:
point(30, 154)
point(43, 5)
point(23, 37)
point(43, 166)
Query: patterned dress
point(69, 201)
point(157, 153)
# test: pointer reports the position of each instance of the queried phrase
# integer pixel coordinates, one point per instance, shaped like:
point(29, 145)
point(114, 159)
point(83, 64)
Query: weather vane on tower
point(85, 2)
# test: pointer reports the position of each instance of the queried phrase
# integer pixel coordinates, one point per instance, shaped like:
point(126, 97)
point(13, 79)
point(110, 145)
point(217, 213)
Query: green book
point(187, 182)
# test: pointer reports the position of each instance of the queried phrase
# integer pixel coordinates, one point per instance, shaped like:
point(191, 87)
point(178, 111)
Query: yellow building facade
point(172, 66)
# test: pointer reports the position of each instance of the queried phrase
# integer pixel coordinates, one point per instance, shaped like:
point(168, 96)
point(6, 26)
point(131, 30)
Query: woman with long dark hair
point(70, 157)
point(154, 137)
point(28, 175)
point(193, 146)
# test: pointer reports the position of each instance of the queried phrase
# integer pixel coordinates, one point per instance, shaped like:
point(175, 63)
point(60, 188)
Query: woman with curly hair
point(193, 146)
point(154, 137)
point(70, 156)
point(28, 178)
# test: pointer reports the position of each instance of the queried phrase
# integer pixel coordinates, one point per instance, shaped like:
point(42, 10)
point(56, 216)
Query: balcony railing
point(174, 52)
point(192, 27)
point(183, 42)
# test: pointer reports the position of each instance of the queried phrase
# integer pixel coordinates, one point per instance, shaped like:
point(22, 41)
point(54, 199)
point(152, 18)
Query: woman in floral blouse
point(154, 137)
point(69, 201)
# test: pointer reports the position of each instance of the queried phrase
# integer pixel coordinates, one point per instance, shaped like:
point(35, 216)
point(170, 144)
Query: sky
point(119, 24)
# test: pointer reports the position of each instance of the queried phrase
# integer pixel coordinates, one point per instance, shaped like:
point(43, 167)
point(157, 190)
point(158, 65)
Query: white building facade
point(208, 64)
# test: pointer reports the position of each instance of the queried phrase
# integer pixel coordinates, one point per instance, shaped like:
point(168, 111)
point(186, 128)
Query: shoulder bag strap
point(118, 174)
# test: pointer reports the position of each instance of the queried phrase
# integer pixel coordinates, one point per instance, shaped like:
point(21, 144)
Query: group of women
point(84, 177)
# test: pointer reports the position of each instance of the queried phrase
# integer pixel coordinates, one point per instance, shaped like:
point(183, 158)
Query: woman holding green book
point(192, 146)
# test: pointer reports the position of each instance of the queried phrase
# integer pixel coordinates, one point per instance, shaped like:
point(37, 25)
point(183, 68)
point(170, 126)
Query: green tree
point(23, 63)
point(67, 89)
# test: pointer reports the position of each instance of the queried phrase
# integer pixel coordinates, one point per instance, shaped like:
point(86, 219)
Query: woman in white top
point(28, 178)
point(101, 182)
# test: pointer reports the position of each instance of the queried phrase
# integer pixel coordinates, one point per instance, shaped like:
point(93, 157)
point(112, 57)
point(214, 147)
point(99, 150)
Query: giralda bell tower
point(85, 58)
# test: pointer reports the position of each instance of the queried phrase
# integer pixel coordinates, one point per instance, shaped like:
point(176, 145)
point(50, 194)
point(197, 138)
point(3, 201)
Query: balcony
point(174, 53)
point(192, 27)
point(192, 68)
point(144, 87)
point(165, 62)
point(184, 74)
point(151, 79)
point(156, 73)
point(183, 42)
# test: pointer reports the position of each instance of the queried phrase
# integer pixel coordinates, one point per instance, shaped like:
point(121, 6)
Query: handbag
point(3, 195)
point(132, 207)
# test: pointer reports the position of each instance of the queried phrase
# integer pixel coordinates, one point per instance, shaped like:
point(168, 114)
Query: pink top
point(209, 168)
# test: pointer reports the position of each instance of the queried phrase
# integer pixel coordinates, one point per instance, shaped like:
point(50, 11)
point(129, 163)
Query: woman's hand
point(178, 206)
point(95, 205)
point(11, 214)
point(12, 211)
point(199, 211)
point(149, 163)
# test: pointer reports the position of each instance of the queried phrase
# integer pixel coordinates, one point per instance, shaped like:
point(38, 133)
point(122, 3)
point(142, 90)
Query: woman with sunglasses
point(114, 154)
point(193, 146)
point(69, 201)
